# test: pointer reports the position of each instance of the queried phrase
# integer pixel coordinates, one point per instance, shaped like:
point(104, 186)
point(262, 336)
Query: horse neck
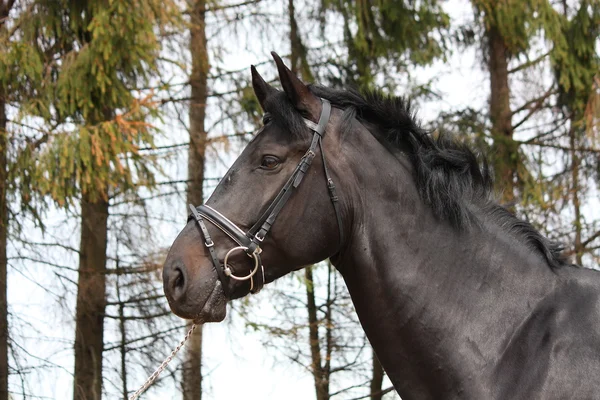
point(438, 305)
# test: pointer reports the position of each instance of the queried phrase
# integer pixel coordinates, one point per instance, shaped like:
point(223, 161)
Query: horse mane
point(448, 174)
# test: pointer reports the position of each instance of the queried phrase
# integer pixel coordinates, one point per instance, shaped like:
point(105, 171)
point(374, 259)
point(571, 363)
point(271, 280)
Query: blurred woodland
point(115, 114)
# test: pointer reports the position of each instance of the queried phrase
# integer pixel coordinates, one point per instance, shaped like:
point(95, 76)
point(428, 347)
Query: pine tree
point(512, 29)
point(100, 119)
point(386, 36)
point(20, 78)
point(117, 47)
point(3, 260)
point(4, 10)
point(509, 30)
point(576, 66)
point(522, 40)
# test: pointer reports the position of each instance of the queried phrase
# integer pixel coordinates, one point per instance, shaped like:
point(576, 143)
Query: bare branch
point(381, 392)
point(538, 104)
point(531, 102)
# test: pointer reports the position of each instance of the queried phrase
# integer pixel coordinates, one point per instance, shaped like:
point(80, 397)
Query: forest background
point(115, 114)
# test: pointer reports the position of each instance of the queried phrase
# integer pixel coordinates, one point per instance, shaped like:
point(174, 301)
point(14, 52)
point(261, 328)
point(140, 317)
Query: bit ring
point(228, 271)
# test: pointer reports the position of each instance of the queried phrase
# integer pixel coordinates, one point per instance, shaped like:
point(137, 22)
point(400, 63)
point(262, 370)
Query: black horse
point(459, 298)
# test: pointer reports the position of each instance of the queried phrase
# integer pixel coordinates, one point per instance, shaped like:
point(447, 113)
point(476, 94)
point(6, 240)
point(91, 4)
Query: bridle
point(250, 241)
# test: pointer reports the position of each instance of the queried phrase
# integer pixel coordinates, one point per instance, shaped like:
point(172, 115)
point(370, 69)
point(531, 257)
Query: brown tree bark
point(575, 188)
point(91, 300)
point(295, 42)
point(298, 60)
point(123, 332)
point(5, 7)
point(505, 148)
point(192, 368)
point(3, 260)
point(376, 379)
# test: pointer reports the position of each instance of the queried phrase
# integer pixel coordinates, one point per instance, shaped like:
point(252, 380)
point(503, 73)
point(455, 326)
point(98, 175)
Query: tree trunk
point(91, 300)
point(376, 379)
point(575, 188)
point(192, 373)
point(329, 325)
point(4, 10)
point(295, 43)
point(192, 368)
point(123, 332)
point(505, 148)
point(321, 382)
point(299, 62)
point(319, 371)
point(3, 261)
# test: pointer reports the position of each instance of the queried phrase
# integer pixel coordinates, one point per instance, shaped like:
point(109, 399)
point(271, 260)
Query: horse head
point(274, 211)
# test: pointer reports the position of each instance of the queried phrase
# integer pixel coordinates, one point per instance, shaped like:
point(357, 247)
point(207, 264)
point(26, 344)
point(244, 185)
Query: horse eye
point(266, 118)
point(269, 162)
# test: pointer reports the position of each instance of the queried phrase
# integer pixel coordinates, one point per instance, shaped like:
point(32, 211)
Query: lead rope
point(162, 366)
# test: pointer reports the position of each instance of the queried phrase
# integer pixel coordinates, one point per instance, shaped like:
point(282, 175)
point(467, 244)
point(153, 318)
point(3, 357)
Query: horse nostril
point(178, 282)
point(179, 279)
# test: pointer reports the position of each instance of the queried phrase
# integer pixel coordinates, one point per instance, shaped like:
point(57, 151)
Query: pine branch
point(170, 146)
point(221, 8)
point(144, 199)
point(528, 63)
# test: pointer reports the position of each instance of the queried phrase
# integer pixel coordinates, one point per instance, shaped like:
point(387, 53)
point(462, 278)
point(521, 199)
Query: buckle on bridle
point(210, 243)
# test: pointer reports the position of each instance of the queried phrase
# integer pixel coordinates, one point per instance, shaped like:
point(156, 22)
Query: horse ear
point(262, 89)
point(300, 95)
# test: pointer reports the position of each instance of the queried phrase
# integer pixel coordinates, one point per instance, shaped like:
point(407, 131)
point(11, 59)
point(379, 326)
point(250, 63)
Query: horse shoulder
point(555, 352)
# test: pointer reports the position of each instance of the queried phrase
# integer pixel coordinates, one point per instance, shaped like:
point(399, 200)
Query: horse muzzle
point(193, 289)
